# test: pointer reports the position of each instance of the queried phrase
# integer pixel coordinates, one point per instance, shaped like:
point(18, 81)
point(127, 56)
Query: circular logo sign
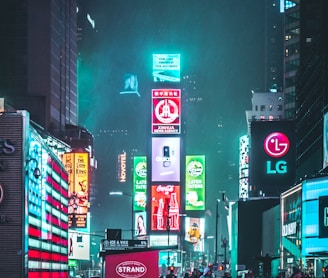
point(166, 111)
point(195, 168)
point(276, 144)
point(141, 169)
point(131, 269)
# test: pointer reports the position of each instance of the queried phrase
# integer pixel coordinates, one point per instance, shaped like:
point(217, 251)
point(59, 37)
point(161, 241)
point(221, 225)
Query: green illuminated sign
point(72, 263)
point(140, 183)
point(195, 182)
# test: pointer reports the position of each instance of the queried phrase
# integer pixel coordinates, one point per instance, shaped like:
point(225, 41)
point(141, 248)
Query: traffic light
point(325, 271)
point(171, 268)
point(221, 267)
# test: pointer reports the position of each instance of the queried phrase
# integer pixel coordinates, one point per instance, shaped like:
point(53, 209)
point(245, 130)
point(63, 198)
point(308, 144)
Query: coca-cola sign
point(131, 269)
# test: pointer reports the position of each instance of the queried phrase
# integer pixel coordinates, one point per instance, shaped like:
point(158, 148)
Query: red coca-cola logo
point(129, 269)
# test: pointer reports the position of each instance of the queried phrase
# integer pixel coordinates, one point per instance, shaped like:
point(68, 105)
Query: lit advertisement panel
point(130, 84)
point(165, 159)
point(77, 165)
point(325, 141)
point(314, 216)
point(79, 245)
point(47, 230)
point(195, 232)
point(173, 259)
point(243, 166)
point(165, 205)
point(140, 183)
point(195, 182)
point(140, 225)
point(291, 222)
point(121, 167)
point(166, 111)
point(132, 264)
point(166, 67)
point(272, 156)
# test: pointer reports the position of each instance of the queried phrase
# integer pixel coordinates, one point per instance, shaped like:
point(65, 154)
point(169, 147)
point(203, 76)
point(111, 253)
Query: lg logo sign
point(276, 145)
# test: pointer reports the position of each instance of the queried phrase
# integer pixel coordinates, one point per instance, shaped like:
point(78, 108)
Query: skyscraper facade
point(311, 87)
point(38, 54)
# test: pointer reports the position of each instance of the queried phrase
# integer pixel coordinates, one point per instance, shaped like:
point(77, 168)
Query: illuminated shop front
point(33, 203)
point(304, 237)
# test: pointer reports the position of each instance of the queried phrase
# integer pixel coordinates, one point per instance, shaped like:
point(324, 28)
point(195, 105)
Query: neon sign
point(276, 145)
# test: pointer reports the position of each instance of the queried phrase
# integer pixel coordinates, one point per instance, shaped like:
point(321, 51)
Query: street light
point(120, 193)
point(216, 230)
point(217, 224)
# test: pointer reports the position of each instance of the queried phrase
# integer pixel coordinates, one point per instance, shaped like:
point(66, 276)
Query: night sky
point(221, 42)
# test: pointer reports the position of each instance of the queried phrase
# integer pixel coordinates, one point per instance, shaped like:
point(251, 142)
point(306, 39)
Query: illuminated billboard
point(243, 166)
point(165, 159)
point(140, 183)
point(166, 67)
point(133, 264)
point(130, 84)
point(47, 219)
point(195, 182)
point(78, 245)
point(166, 111)
point(140, 225)
point(325, 141)
point(195, 232)
point(77, 166)
point(165, 207)
point(121, 167)
point(314, 216)
point(272, 156)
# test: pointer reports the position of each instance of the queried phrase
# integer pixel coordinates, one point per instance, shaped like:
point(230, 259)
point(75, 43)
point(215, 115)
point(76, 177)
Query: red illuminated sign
point(135, 264)
point(165, 207)
point(276, 144)
point(166, 111)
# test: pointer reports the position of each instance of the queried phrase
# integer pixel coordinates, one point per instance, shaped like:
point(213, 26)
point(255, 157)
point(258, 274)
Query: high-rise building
point(273, 46)
point(292, 54)
point(311, 88)
point(38, 60)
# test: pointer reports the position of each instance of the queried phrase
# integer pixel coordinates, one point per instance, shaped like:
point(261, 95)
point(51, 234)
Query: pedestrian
point(171, 274)
point(186, 275)
point(207, 273)
point(196, 273)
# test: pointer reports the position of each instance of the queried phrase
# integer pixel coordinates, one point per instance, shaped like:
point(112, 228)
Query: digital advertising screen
point(130, 84)
point(139, 183)
point(47, 230)
point(78, 245)
point(166, 67)
point(165, 207)
point(195, 232)
point(165, 159)
point(243, 166)
point(166, 111)
point(195, 182)
point(77, 166)
point(272, 156)
point(314, 215)
point(140, 225)
point(325, 141)
point(133, 264)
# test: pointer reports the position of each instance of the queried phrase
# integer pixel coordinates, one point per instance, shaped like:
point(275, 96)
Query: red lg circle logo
point(276, 144)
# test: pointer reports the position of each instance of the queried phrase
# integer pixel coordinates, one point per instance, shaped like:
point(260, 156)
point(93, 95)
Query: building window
point(262, 107)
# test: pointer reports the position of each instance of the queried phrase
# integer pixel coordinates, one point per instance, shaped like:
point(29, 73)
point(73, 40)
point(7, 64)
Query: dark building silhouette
point(311, 87)
point(38, 54)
